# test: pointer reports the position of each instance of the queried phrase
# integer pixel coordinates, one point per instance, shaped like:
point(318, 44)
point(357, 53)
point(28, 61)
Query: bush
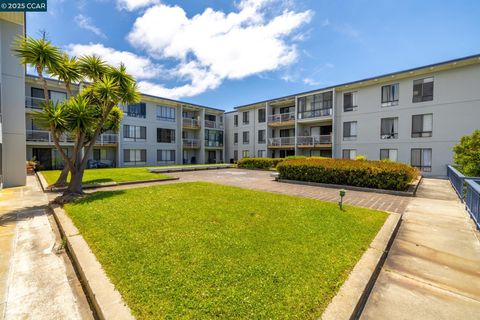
point(366, 173)
point(467, 154)
point(259, 163)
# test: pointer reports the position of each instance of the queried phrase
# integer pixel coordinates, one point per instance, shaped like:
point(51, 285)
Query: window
point(349, 154)
point(135, 156)
point(246, 117)
point(390, 95)
point(166, 155)
point(166, 113)
point(38, 97)
point(246, 137)
point(235, 155)
point(261, 136)
point(422, 125)
point(388, 154)
point(350, 130)
point(134, 133)
point(389, 128)
point(261, 115)
point(213, 138)
point(245, 154)
point(262, 153)
point(423, 90)
point(137, 110)
point(210, 117)
point(349, 101)
point(422, 159)
point(99, 154)
point(235, 120)
point(235, 138)
point(165, 135)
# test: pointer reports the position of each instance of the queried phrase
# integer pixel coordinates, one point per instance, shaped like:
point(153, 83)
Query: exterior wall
point(455, 108)
point(12, 84)
point(230, 129)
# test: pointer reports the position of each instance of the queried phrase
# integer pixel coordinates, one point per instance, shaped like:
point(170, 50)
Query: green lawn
point(201, 250)
point(97, 176)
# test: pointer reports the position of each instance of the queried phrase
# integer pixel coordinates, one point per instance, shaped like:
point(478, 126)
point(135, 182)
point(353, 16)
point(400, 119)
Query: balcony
point(213, 124)
point(191, 123)
point(284, 142)
point(314, 141)
point(282, 119)
point(45, 136)
point(107, 138)
point(191, 143)
point(34, 103)
point(213, 144)
point(316, 113)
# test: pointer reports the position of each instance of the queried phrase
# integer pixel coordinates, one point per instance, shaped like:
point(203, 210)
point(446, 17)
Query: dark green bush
point(467, 154)
point(364, 173)
point(259, 163)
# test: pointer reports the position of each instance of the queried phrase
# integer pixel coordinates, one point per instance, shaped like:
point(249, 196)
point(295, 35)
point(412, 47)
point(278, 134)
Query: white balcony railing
point(191, 143)
point(107, 138)
point(317, 113)
point(280, 142)
point(282, 117)
point(189, 122)
point(34, 103)
point(45, 136)
point(213, 124)
point(314, 140)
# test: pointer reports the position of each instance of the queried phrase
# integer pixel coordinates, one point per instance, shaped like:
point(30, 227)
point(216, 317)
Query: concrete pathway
point(36, 282)
point(433, 268)
point(262, 180)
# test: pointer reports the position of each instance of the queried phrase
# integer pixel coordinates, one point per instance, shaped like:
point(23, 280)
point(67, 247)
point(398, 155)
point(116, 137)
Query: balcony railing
point(46, 136)
point(34, 103)
point(282, 117)
point(191, 143)
point(107, 138)
point(316, 113)
point(213, 144)
point(280, 142)
point(189, 122)
point(314, 140)
point(213, 124)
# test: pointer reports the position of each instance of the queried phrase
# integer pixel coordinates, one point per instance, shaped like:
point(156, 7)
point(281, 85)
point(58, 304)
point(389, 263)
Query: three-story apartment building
point(414, 116)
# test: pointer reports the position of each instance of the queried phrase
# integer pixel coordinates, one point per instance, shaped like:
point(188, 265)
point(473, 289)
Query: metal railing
point(280, 142)
point(317, 113)
point(282, 117)
point(213, 124)
point(314, 140)
point(472, 200)
point(189, 122)
point(213, 144)
point(46, 136)
point(34, 103)
point(191, 143)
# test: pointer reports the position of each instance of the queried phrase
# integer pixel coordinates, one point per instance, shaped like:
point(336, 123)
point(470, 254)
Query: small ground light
point(342, 194)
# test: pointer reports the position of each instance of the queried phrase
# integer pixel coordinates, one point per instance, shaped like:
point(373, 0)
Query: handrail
point(281, 141)
point(472, 200)
point(315, 113)
point(46, 136)
point(191, 143)
point(213, 124)
point(282, 117)
point(189, 122)
point(313, 140)
point(457, 179)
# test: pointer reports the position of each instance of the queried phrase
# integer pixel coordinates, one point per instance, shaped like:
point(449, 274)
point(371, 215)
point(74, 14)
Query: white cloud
point(213, 46)
point(131, 5)
point(86, 23)
point(139, 67)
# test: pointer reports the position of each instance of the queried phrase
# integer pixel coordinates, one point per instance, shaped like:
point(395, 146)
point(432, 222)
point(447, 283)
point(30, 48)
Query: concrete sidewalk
point(35, 281)
point(433, 268)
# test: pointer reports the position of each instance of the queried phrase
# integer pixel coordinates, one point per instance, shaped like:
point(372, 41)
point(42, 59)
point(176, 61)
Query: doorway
point(44, 158)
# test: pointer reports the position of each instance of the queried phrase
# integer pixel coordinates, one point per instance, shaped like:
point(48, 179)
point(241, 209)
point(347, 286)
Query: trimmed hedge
point(363, 173)
point(258, 163)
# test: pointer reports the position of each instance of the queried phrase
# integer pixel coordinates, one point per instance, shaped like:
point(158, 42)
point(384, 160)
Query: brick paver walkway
point(262, 180)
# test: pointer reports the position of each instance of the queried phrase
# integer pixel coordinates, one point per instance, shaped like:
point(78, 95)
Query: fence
point(468, 190)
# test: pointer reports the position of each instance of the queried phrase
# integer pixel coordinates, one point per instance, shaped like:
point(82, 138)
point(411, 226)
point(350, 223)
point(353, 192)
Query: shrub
point(259, 163)
point(366, 173)
point(467, 154)
point(360, 157)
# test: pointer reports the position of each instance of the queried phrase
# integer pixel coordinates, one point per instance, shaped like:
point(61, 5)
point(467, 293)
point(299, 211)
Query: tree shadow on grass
point(98, 181)
point(98, 195)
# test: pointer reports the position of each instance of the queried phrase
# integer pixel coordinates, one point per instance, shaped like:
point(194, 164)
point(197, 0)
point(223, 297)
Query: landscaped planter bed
point(200, 250)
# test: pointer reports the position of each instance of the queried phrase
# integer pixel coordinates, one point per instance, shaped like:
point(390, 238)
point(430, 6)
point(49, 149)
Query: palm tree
point(39, 54)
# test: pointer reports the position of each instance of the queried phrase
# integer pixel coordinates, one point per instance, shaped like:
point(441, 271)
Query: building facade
point(155, 131)
point(12, 94)
point(414, 116)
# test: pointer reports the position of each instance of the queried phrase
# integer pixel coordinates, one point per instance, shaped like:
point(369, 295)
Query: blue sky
point(224, 53)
